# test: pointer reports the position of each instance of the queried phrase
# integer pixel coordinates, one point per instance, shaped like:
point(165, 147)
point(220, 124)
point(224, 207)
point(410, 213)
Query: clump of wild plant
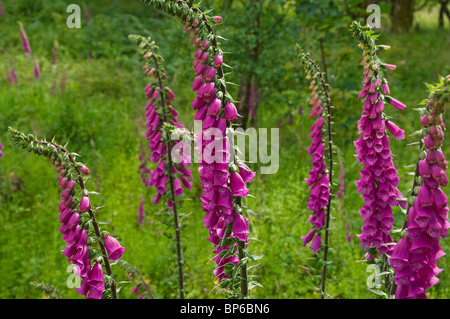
point(88, 247)
point(224, 184)
point(416, 255)
point(171, 174)
point(320, 177)
point(379, 180)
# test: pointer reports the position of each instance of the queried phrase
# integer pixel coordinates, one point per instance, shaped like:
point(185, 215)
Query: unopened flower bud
point(84, 170)
point(217, 19)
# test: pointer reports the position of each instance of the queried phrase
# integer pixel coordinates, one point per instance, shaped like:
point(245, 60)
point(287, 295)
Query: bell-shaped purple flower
point(95, 278)
point(113, 247)
point(84, 204)
point(237, 185)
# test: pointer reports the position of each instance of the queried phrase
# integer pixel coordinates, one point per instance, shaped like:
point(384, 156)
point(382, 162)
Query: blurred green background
point(93, 97)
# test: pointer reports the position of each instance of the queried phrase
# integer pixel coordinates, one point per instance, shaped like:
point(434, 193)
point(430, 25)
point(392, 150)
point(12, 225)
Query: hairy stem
point(243, 270)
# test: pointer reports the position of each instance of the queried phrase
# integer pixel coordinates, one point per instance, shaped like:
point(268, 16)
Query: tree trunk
point(442, 11)
point(402, 15)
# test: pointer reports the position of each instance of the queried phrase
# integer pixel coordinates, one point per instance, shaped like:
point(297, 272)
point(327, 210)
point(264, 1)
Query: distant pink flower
point(141, 212)
point(25, 42)
point(36, 70)
point(86, 15)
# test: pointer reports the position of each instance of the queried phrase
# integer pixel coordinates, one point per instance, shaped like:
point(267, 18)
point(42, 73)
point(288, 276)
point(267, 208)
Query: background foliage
point(100, 111)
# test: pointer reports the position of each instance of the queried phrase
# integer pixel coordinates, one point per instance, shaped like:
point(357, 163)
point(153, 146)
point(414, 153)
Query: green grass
point(101, 114)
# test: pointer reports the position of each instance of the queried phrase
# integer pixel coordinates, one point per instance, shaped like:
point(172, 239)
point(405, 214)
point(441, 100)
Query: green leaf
point(379, 293)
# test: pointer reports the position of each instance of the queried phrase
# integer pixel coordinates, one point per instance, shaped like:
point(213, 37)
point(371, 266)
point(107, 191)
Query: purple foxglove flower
point(95, 278)
point(195, 64)
point(84, 170)
point(217, 19)
point(425, 120)
point(36, 70)
point(308, 237)
point(245, 172)
point(205, 45)
point(197, 42)
point(197, 83)
point(73, 220)
point(81, 261)
point(200, 69)
point(84, 204)
point(170, 95)
point(69, 251)
point(72, 235)
point(231, 113)
point(378, 82)
point(385, 88)
point(222, 125)
point(177, 187)
point(397, 104)
point(65, 194)
point(214, 107)
point(65, 215)
point(135, 290)
point(63, 182)
point(210, 73)
point(157, 198)
point(94, 293)
point(390, 66)
point(237, 185)
point(240, 227)
point(429, 141)
point(84, 287)
point(201, 113)
point(400, 255)
point(395, 130)
point(316, 243)
point(113, 247)
point(204, 58)
point(198, 54)
point(218, 61)
point(25, 42)
point(141, 212)
point(70, 185)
